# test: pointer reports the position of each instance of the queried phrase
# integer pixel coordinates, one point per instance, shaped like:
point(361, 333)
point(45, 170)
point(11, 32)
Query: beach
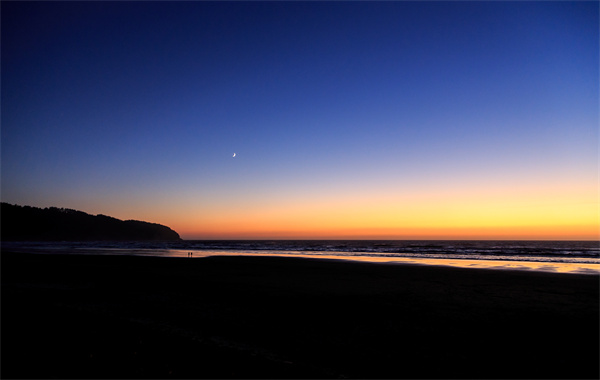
point(88, 316)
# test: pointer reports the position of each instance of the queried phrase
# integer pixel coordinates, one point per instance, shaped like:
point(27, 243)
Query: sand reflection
point(553, 267)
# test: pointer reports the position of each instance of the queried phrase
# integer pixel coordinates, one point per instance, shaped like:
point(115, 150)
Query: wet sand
point(69, 316)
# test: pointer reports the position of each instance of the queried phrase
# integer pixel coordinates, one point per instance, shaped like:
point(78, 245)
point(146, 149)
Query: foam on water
point(553, 256)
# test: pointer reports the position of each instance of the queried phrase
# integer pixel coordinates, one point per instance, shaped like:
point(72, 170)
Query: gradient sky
point(394, 120)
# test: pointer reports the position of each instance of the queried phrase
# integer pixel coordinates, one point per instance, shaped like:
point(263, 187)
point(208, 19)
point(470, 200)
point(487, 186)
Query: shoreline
point(495, 264)
point(460, 262)
point(82, 316)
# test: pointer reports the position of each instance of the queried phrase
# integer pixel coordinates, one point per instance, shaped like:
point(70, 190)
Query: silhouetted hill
point(60, 224)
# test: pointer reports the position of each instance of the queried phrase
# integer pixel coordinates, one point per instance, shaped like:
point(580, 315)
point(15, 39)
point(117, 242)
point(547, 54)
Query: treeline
point(25, 223)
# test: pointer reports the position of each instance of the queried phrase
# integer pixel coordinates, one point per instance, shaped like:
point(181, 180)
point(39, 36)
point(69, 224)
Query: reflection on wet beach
point(554, 267)
point(553, 257)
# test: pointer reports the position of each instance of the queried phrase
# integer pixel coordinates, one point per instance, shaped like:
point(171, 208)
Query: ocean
point(554, 256)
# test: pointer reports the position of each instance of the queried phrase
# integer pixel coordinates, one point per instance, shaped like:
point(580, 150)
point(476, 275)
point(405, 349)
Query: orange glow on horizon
point(506, 233)
point(570, 222)
point(568, 211)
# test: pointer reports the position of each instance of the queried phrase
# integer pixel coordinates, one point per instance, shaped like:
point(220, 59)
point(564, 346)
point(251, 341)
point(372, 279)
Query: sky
point(348, 120)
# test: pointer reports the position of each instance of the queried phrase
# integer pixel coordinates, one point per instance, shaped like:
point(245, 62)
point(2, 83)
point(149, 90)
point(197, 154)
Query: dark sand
point(271, 317)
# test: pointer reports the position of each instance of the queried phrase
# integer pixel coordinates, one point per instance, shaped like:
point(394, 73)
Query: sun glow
point(424, 215)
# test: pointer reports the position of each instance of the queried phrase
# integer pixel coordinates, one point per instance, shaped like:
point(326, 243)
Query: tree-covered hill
point(23, 223)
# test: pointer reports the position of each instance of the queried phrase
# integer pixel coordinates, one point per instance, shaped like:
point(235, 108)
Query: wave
point(540, 251)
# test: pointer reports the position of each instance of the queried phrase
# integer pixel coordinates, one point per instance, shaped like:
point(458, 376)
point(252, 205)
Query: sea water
point(555, 256)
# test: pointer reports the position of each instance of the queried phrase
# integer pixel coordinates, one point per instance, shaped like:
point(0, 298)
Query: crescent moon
point(234, 155)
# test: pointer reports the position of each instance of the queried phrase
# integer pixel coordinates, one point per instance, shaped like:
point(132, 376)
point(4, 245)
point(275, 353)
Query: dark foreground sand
point(259, 317)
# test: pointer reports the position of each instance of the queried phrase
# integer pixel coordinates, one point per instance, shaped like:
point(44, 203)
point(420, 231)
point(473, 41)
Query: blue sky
point(134, 109)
